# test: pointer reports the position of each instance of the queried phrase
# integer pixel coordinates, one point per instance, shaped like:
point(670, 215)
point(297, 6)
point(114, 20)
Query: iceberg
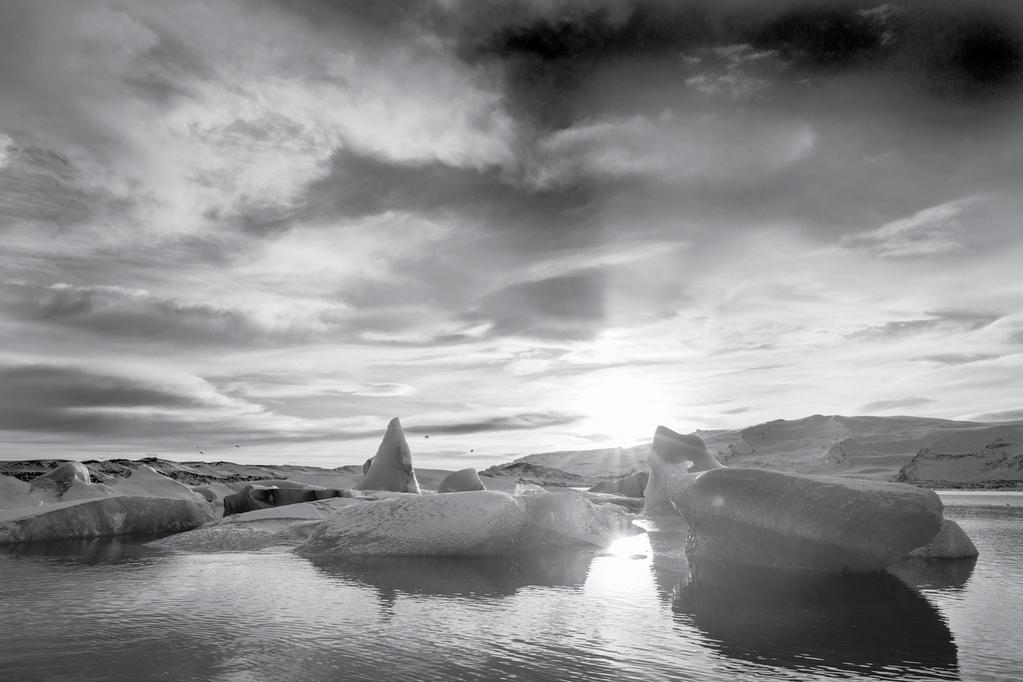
point(461, 481)
point(288, 526)
point(119, 515)
point(823, 523)
point(143, 482)
point(471, 523)
point(391, 468)
point(146, 502)
point(61, 478)
point(671, 454)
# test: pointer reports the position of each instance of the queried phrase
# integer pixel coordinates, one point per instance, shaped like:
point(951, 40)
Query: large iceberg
point(824, 523)
point(391, 468)
point(474, 523)
point(146, 502)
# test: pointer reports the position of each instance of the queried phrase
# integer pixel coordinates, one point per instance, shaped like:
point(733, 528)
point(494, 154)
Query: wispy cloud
point(929, 232)
point(948, 320)
point(891, 405)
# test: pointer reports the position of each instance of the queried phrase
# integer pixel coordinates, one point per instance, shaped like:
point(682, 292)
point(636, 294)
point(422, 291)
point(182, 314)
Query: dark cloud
point(49, 399)
point(959, 49)
point(60, 387)
point(360, 185)
point(571, 307)
point(825, 35)
point(578, 305)
point(889, 405)
point(119, 313)
point(518, 422)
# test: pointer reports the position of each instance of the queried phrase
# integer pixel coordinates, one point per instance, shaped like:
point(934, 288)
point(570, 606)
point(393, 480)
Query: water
point(119, 610)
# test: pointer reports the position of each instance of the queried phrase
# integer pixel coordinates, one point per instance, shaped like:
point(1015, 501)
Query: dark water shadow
point(871, 624)
point(468, 577)
point(88, 551)
point(935, 574)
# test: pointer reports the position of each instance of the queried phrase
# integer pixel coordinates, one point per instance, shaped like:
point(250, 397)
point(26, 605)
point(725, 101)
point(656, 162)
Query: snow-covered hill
point(988, 457)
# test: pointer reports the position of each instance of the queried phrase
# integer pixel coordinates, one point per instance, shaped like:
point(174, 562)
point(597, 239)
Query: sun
point(625, 408)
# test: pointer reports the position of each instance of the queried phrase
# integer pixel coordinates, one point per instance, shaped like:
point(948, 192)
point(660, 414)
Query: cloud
point(114, 312)
point(735, 72)
point(1010, 415)
point(948, 321)
point(61, 398)
point(897, 404)
point(191, 124)
point(669, 148)
point(582, 303)
point(571, 306)
point(518, 422)
point(959, 358)
point(928, 232)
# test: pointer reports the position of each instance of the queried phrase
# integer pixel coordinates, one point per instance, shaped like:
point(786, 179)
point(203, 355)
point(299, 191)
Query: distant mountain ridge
point(936, 453)
point(911, 449)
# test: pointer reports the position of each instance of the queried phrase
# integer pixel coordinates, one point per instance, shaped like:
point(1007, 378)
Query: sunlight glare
point(624, 408)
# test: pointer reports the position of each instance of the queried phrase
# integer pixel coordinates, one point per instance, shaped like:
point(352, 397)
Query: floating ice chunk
point(951, 542)
point(482, 522)
point(461, 481)
point(100, 518)
point(289, 525)
point(61, 478)
point(672, 454)
point(391, 468)
point(455, 524)
point(824, 523)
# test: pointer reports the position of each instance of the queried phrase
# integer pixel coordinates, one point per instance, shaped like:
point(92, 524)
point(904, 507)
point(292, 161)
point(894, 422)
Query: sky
point(256, 231)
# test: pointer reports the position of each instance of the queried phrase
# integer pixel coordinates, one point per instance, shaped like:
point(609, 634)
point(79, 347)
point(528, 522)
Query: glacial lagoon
point(117, 609)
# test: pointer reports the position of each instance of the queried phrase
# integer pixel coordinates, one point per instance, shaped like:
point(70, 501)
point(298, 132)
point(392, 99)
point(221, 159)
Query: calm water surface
point(123, 611)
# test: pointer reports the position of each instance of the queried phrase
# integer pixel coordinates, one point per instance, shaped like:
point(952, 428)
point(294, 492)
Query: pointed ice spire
point(391, 468)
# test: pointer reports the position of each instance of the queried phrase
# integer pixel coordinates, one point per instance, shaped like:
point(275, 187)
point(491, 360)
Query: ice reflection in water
point(866, 624)
point(636, 612)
